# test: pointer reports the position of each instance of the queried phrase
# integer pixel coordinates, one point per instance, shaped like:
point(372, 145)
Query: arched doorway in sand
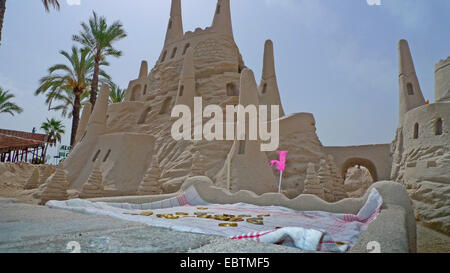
point(351, 162)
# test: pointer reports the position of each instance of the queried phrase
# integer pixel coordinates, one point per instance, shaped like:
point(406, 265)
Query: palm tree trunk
point(75, 117)
point(94, 84)
point(2, 16)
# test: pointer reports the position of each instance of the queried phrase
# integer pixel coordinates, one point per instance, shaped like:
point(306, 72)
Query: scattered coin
point(264, 215)
point(236, 219)
point(205, 216)
point(167, 216)
point(181, 213)
point(170, 216)
point(255, 221)
point(202, 208)
point(228, 225)
point(200, 213)
point(146, 213)
point(221, 218)
point(244, 216)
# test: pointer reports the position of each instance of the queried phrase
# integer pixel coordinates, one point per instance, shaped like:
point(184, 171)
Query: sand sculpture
point(312, 182)
point(207, 63)
point(150, 185)
point(421, 149)
point(33, 181)
point(326, 180)
point(56, 187)
point(94, 186)
point(338, 181)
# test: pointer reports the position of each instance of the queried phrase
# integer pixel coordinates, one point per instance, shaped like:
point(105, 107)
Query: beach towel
point(307, 230)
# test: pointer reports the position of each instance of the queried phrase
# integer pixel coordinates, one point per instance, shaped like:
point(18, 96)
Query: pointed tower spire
point(87, 110)
point(143, 71)
point(268, 88)
point(175, 26)
point(186, 87)
point(222, 18)
point(410, 94)
point(97, 121)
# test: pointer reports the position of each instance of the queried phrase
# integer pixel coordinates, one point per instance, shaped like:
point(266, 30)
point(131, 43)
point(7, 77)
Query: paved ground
point(29, 228)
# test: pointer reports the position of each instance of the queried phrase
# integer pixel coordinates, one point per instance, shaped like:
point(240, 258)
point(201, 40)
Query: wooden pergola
point(16, 146)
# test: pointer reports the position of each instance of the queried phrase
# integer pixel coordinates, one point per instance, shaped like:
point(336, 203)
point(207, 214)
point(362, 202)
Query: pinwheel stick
point(279, 183)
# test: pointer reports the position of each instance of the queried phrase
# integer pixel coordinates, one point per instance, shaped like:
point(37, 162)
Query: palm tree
point(116, 94)
point(69, 84)
point(6, 106)
point(54, 129)
point(98, 38)
point(47, 4)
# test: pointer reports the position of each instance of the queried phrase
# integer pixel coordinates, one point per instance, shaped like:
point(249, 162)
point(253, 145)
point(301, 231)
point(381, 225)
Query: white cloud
point(73, 2)
point(374, 2)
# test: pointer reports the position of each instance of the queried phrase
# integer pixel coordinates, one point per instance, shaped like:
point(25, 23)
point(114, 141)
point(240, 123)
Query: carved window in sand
point(218, 9)
point(144, 115)
point(232, 90)
point(174, 52)
point(416, 131)
point(438, 127)
point(163, 58)
point(186, 48)
point(96, 155)
point(264, 89)
point(410, 89)
point(170, 24)
point(135, 93)
point(107, 155)
point(145, 90)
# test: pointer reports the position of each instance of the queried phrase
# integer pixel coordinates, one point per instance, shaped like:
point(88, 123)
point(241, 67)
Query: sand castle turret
point(268, 87)
point(338, 185)
point(222, 18)
point(175, 26)
point(312, 182)
point(410, 94)
point(56, 186)
point(33, 181)
point(326, 181)
point(442, 81)
point(186, 87)
point(150, 184)
point(81, 130)
point(247, 167)
point(143, 71)
point(94, 186)
point(97, 121)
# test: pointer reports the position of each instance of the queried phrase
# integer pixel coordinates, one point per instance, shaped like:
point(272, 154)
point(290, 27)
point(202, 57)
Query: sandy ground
point(431, 241)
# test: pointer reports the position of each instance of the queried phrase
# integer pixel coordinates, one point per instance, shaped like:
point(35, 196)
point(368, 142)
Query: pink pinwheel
point(281, 165)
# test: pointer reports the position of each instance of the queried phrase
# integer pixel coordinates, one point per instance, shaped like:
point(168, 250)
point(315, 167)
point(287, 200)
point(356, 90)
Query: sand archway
point(369, 165)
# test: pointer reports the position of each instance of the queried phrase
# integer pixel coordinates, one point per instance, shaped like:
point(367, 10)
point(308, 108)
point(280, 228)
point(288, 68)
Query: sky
point(335, 59)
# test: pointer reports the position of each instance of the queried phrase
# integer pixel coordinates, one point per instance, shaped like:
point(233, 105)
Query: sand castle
point(94, 186)
point(55, 188)
point(207, 63)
